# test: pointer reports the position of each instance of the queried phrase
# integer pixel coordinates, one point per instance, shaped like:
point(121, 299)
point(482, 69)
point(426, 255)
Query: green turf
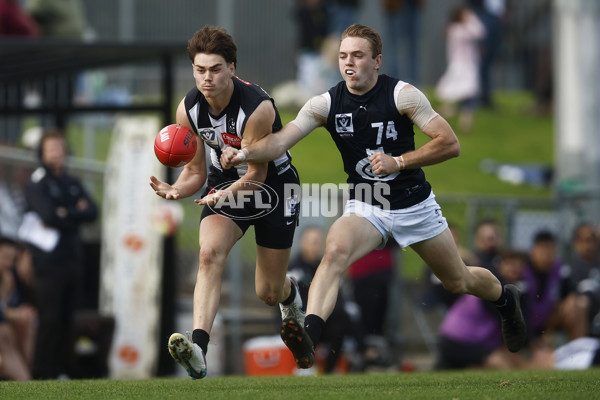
point(481, 385)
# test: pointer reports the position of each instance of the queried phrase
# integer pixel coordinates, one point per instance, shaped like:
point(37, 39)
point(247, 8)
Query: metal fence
point(266, 33)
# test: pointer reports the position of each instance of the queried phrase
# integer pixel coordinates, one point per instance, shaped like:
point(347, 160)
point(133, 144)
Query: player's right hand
point(230, 157)
point(163, 189)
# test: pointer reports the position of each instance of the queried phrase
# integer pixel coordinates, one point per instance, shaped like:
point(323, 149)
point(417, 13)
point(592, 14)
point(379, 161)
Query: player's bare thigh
point(217, 236)
point(441, 255)
point(350, 238)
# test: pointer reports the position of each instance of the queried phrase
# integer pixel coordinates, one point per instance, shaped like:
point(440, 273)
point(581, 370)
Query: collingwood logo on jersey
point(343, 124)
point(231, 126)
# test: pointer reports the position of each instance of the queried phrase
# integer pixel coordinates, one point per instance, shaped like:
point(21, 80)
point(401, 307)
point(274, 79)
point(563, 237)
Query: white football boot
point(188, 354)
point(295, 309)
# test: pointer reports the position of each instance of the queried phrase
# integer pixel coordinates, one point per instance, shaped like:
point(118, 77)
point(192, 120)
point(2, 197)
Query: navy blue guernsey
point(227, 128)
point(370, 123)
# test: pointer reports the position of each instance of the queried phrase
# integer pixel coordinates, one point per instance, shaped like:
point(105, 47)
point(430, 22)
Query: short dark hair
point(8, 241)
point(213, 40)
point(365, 32)
point(581, 227)
point(544, 236)
point(509, 254)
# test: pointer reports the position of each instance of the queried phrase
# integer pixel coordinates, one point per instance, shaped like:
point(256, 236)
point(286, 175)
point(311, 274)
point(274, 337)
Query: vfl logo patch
point(211, 137)
point(343, 123)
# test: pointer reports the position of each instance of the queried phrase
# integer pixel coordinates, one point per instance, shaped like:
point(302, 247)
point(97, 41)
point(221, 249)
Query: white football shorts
point(408, 225)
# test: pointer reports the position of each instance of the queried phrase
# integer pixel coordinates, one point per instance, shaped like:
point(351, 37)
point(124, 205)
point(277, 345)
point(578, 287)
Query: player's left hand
point(382, 164)
point(212, 198)
point(230, 157)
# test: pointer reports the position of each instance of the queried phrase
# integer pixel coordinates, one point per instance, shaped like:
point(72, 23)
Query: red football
point(175, 145)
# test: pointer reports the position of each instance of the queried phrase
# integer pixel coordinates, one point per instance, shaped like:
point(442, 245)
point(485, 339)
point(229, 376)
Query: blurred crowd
point(560, 298)
point(559, 301)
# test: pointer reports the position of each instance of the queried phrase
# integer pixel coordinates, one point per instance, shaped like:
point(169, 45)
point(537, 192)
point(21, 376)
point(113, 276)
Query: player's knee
point(336, 253)
point(209, 259)
point(457, 286)
point(268, 294)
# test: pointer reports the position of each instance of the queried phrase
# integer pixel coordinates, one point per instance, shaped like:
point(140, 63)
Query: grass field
point(460, 385)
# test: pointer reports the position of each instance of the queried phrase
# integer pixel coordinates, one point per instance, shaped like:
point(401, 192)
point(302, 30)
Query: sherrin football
point(175, 145)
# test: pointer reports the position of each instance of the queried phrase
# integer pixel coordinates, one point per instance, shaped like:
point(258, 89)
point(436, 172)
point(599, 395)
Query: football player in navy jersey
point(225, 111)
point(370, 117)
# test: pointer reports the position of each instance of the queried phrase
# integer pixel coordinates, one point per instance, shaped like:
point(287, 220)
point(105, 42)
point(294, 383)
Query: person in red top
point(371, 278)
point(14, 21)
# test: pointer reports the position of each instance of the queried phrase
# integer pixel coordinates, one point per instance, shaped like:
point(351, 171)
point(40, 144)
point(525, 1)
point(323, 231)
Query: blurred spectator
point(14, 21)
point(372, 278)
point(488, 243)
point(340, 324)
point(60, 19)
point(584, 266)
point(492, 14)
point(550, 302)
point(470, 334)
point(12, 199)
point(18, 318)
point(342, 14)
point(57, 200)
point(535, 44)
point(402, 29)
point(312, 21)
point(459, 86)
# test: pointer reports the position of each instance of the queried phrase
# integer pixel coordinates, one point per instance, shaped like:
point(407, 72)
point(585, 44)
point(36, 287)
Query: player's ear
point(378, 61)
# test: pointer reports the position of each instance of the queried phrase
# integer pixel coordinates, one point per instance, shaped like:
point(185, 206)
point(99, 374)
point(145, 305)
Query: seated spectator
point(17, 317)
point(488, 243)
point(584, 267)
point(470, 334)
point(550, 302)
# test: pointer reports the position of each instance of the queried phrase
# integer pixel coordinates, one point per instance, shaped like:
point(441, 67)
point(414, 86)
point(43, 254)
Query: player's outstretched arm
point(312, 115)
point(192, 176)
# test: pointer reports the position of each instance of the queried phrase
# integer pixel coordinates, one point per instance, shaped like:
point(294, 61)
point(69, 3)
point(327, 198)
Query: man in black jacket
point(62, 204)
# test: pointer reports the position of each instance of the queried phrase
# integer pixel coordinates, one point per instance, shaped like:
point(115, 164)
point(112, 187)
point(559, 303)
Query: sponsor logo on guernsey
point(231, 140)
point(343, 124)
